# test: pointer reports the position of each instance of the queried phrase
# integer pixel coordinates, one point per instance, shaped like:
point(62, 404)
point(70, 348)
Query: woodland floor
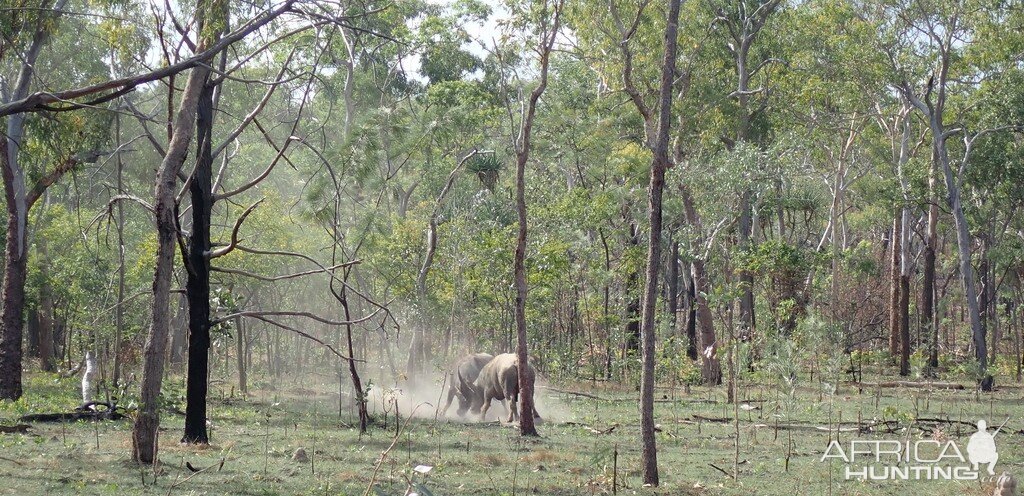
point(256, 438)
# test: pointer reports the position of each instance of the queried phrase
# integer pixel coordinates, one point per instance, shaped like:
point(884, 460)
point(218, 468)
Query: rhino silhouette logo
point(981, 447)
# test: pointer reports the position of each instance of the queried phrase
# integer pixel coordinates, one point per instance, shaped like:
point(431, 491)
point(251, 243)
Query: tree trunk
point(15, 272)
point(963, 242)
point(548, 33)
point(691, 314)
point(659, 165)
point(894, 284)
point(16, 248)
point(197, 285)
point(928, 324)
point(746, 279)
point(632, 298)
point(240, 359)
point(119, 312)
point(673, 287)
point(711, 366)
point(357, 384)
point(147, 421)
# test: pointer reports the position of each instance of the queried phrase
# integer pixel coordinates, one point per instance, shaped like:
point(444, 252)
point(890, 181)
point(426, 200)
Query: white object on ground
point(89, 377)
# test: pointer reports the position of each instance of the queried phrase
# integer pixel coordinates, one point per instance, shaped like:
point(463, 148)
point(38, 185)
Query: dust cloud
point(425, 399)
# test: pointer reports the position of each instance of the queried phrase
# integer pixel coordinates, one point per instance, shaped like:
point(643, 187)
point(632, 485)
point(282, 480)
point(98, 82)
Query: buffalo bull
point(499, 380)
point(465, 373)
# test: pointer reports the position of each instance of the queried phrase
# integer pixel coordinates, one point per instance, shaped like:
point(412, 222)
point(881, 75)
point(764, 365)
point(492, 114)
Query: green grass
point(257, 437)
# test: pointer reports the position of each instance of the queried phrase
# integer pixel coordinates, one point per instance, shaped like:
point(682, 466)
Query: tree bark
point(691, 314)
point(147, 421)
point(896, 246)
point(16, 248)
point(929, 328)
point(659, 165)
point(197, 284)
point(904, 302)
point(673, 287)
point(240, 360)
point(548, 32)
point(711, 366)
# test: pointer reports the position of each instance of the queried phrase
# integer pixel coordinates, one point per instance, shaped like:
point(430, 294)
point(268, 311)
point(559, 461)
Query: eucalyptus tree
point(27, 31)
point(743, 23)
point(659, 165)
point(931, 48)
point(35, 152)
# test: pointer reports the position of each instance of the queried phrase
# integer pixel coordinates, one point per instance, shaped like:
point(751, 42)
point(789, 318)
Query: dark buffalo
point(464, 374)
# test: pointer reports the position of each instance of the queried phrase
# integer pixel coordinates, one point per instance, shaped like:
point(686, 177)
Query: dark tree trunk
point(746, 279)
point(673, 287)
point(632, 300)
point(357, 384)
point(691, 314)
point(929, 327)
point(16, 248)
point(197, 286)
point(119, 312)
point(13, 296)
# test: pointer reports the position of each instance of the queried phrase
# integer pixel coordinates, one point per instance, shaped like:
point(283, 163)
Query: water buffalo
point(499, 380)
point(464, 374)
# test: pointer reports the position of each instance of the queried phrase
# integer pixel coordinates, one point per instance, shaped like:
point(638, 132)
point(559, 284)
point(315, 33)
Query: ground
point(256, 438)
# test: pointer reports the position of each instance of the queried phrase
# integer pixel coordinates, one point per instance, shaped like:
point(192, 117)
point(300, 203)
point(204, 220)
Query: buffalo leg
point(487, 406)
point(448, 404)
point(512, 414)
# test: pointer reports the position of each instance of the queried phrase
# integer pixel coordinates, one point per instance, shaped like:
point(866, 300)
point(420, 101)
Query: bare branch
point(255, 111)
point(308, 315)
point(220, 252)
point(303, 334)
point(286, 276)
point(40, 100)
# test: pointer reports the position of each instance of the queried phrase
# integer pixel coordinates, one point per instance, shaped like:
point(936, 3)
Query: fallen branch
point(573, 393)
point(910, 384)
point(719, 420)
point(15, 429)
point(84, 412)
point(720, 469)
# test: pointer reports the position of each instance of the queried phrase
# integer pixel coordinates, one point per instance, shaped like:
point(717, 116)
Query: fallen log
point(573, 393)
point(719, 420)
point(14, 429)
point(910, 384)
point(806, 427)
point(87, 411)
point(601, 398)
